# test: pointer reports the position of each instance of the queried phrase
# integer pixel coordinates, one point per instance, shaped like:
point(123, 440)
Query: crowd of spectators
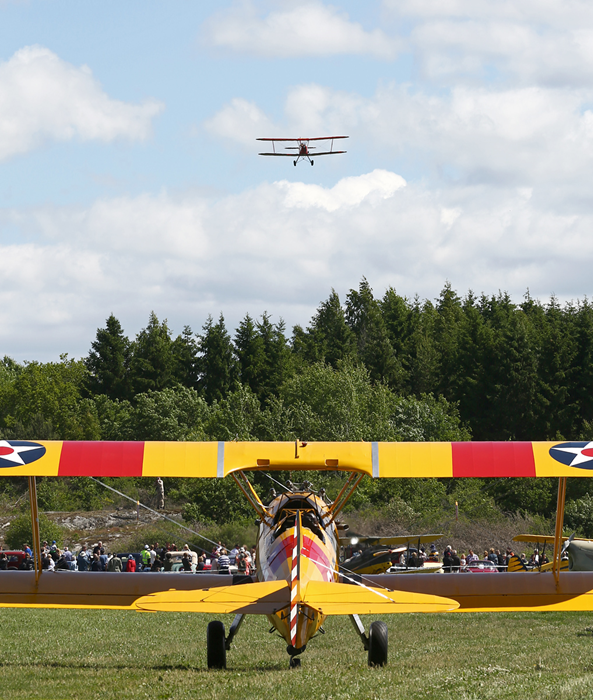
point(153, 557)
point(454, 562)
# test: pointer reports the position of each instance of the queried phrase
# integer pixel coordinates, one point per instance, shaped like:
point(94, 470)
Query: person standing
point(82, 559)
point(114, 564)
point(160, 489)
point(131, 564)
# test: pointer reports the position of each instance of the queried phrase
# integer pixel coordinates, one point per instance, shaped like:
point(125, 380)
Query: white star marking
point(579, 457)
point(15, 455)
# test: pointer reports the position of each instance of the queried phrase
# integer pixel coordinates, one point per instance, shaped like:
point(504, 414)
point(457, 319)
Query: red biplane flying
point(303, 148)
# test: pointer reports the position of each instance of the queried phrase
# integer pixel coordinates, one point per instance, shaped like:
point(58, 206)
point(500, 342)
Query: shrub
point(20, 532)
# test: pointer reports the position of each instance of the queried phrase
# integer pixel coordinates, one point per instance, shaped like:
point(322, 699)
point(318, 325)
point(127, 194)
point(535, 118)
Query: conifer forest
point(363, 368)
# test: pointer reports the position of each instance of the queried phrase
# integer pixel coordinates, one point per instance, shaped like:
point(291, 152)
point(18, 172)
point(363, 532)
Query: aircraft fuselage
point(301, 546)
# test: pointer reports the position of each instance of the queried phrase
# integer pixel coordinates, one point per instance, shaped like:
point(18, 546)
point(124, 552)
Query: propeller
point(566, 544)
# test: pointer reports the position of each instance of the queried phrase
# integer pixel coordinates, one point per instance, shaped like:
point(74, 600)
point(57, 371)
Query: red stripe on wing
point(101, 459)
point(488, 459)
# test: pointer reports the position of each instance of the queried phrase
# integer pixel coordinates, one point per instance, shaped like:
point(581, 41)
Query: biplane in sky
point(303, 148)
point(298, 582)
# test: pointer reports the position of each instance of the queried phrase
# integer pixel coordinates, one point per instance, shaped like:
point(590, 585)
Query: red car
point(14, 558)
point(483, 566)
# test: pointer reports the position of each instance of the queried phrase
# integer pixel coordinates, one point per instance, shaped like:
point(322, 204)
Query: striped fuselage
point(299, 548)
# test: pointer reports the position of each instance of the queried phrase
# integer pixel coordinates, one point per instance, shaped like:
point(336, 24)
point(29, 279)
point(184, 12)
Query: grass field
point(112, 654)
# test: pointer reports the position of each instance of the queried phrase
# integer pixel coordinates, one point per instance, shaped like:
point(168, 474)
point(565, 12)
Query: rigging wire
point(134, 500)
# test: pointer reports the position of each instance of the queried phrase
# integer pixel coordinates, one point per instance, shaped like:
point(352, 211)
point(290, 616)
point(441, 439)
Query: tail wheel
point(215, 644)
point(378, 644)
point(294, 662)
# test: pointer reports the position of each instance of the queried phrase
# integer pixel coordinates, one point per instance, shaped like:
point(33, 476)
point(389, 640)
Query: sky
point(130, 179)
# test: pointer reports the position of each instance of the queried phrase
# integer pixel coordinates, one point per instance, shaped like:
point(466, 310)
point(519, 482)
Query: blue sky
point(130, 181)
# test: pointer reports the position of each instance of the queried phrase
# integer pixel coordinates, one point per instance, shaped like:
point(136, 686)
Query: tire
point(312, 162)
point(294, 162)
point(294, 662)
point(215, 645)
point(378, 644)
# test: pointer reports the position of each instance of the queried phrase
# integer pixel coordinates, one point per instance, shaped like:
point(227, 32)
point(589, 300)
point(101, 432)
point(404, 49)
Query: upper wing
point(217, 459)
point(544, 539)
point(288, 155)
point(327, 138)
point(316, 138)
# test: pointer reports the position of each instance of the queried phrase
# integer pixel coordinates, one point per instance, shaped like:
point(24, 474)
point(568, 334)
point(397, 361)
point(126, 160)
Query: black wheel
point(216, 650)
point(295, 662)
point(294, 162)
point(312, 162)
point(378, 644)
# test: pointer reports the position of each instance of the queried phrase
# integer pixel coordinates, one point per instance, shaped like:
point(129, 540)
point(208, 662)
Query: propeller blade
point(567, 544)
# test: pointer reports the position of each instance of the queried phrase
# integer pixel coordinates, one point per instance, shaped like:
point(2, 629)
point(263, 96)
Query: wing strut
point(345, 494)
point(35, 527)
point(559, 524)
point(252, 497)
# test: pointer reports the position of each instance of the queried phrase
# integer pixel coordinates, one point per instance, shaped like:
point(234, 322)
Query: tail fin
point(515, 564)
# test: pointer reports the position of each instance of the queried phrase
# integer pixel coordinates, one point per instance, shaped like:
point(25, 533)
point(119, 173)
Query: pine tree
point(249, 349)
point(108, 362)
point(364, 317)
point(185, 353)
point(448, 323)
point(329, 338)
point(277, 358)
point(152, 366)
point(216, 362)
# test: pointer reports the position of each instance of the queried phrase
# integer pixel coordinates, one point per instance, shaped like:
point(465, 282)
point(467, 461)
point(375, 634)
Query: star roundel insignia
point(574, 454)
point(16, 453)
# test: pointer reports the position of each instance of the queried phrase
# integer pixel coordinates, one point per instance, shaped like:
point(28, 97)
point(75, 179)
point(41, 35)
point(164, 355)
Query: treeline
point(389, 368)
point(515, 371)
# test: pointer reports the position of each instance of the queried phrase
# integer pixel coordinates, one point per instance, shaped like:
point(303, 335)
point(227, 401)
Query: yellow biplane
point(298, 583)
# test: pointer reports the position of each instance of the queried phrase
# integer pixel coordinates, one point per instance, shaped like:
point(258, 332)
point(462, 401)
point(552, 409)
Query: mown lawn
point(112, 654)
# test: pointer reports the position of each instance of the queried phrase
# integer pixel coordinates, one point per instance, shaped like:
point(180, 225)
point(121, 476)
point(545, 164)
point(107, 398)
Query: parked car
point(15, 557)
point(483, 566)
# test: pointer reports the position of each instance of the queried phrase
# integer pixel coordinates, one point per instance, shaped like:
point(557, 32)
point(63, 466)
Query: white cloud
point(304, 29)
point(278, 247)
point(547, 42)
point(44, 98)
point(348, 192)
point(518, 136)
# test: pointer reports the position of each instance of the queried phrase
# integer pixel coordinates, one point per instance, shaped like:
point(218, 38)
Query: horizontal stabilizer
point(348, 599)
point(263, 598)
point(268, 597)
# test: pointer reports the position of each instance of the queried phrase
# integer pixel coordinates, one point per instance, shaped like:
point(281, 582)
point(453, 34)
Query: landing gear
point(293, 652)
point(375, 643)
point(294, 162)
point(378, 644)
point(215, 644)
point(312, 162)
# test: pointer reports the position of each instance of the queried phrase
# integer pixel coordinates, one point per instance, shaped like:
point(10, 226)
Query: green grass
point(112, 654)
